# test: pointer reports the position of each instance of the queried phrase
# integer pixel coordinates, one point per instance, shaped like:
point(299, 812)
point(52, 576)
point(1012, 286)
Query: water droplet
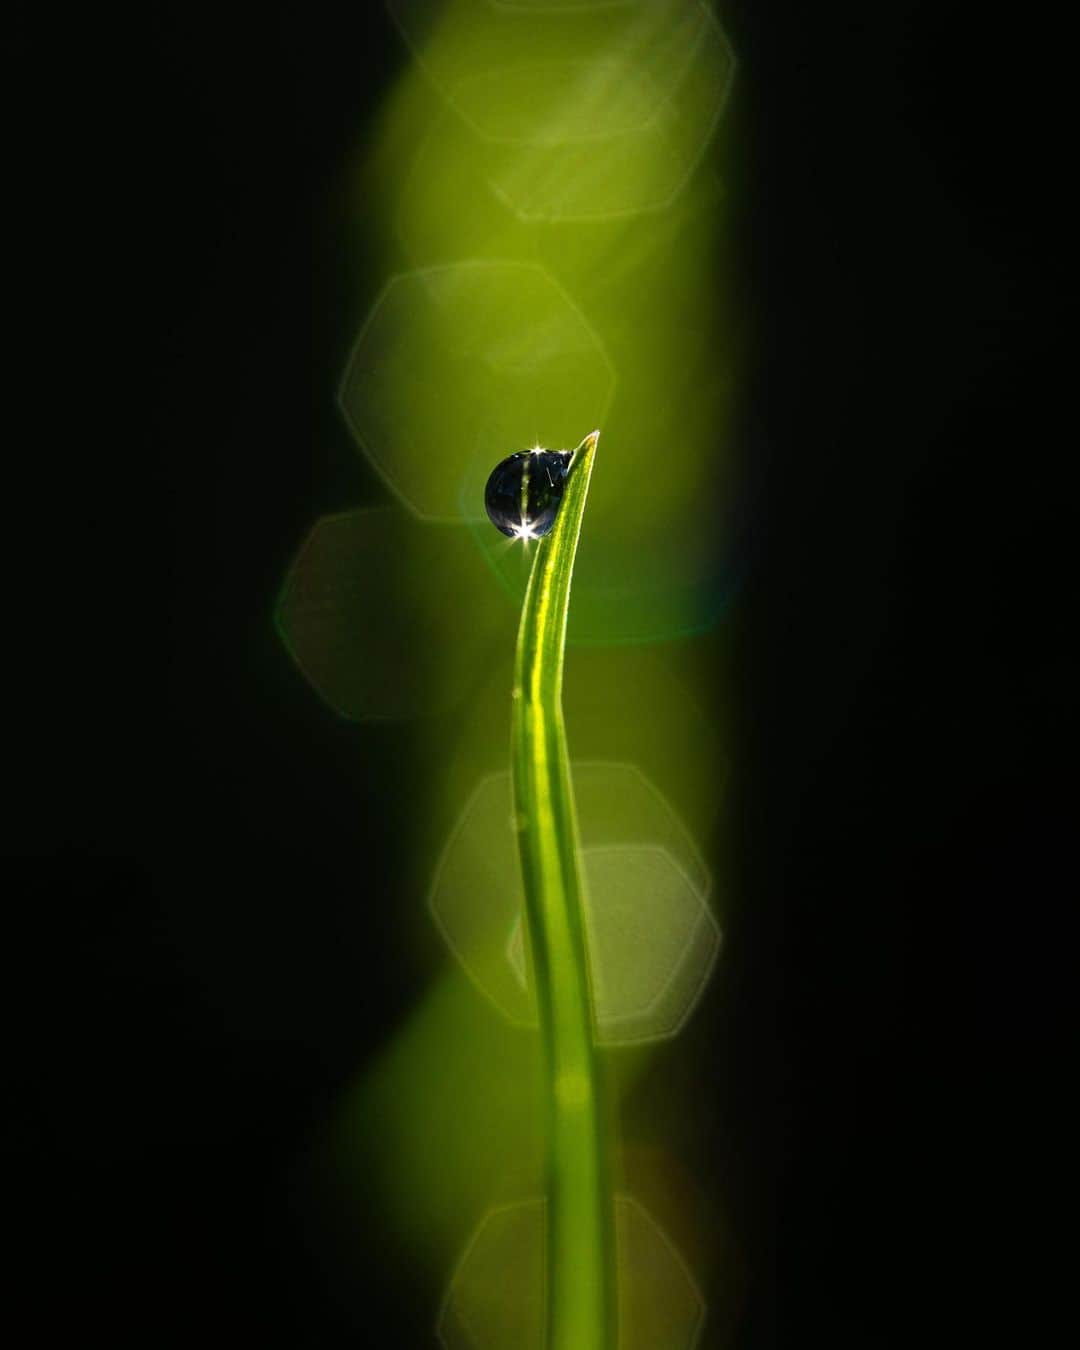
point(524, 491)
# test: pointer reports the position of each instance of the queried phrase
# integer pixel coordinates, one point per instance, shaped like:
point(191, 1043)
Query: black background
point(182, 894)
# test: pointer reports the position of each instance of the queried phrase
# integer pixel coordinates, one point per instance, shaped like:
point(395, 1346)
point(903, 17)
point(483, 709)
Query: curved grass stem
point(580, 1225)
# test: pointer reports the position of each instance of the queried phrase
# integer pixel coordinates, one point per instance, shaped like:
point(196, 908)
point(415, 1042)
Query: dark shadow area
point(890, 1100)
point(202, 864)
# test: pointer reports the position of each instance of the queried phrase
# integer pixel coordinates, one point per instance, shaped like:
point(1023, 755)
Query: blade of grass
point(580, 1222)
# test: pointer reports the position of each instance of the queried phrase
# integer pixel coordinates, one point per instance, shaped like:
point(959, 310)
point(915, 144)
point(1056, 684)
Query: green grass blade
point(580, 1224)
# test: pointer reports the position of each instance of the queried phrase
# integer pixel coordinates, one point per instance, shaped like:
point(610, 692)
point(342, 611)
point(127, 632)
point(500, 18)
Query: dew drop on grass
point(524, 491)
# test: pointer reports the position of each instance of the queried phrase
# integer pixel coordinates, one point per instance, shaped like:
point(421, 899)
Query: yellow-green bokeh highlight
point(610, 223)
point(652, 936)
point(648, 285)
point(494, 1299)
point(456, 362)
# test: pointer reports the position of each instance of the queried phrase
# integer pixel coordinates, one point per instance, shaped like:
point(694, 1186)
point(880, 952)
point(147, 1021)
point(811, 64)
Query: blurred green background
point(543, 190)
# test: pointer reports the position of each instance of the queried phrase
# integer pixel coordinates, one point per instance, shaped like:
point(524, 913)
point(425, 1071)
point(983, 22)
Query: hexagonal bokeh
point(653, 939)
point(370, 612)
point(495, 1298)
point(459, 365)
point(580, 112)
point(653, 942)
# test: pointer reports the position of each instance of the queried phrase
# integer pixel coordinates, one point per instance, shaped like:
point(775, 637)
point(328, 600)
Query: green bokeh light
point(545, 214)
